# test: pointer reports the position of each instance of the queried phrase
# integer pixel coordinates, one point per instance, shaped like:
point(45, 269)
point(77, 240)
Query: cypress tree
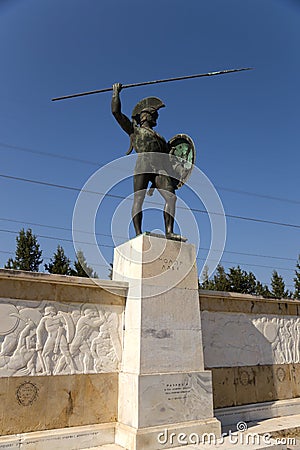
point(28, 253)
point(81, 267)
point(297, 280)
point(278, 286)
point(59, 264)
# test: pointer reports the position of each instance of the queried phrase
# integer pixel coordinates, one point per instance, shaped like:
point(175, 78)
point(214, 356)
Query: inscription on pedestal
point(168, 263)
point(174, 397)
point(177, 391)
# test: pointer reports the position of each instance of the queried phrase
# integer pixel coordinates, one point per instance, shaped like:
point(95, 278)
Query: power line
point(251, 265)
point(48, 258)
point(108, 265)
point(98, 164)
point(258, 256)
point(253, 194)
point(48, 154)
point(198, 259)
point(126, 237)
point(8, 253)
point(58, 228)
point(57, 238)
point(112, 247)
point(72, 188)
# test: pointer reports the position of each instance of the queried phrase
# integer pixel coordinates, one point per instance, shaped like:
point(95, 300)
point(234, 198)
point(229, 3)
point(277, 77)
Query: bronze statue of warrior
point(150, 167)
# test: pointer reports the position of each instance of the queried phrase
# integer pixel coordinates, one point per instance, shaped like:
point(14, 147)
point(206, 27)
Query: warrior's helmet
point(148, 104)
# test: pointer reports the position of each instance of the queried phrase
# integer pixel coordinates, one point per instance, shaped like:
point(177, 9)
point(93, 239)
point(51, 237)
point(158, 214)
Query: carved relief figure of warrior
point(53, 327)
point(80, 345)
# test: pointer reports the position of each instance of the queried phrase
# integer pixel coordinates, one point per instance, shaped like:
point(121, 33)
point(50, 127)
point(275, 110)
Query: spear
point(145, 83)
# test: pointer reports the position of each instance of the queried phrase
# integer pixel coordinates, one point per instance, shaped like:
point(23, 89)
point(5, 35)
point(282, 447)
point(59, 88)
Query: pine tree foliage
point(81, 267)
point(220, 279)
point(28, 253)
point(59, 264)
point(262, 290)
point(297, 280)
point(110, 271)
point(278, 286)
point(218, 283)
point(28, 257)
point(241, 281)
point(206, 283)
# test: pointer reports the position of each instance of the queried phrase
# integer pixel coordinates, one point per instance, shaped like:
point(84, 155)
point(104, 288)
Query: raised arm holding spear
point(166, 165)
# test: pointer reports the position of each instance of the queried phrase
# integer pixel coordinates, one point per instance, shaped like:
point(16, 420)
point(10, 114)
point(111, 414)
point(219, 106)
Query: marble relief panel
point(237, 339)
point(51, 338)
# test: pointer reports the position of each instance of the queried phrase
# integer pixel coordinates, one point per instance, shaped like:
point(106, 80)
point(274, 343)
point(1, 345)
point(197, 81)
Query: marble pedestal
point(163, 387)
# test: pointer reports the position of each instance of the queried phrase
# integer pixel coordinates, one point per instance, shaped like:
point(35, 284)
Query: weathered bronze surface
point(166, 165)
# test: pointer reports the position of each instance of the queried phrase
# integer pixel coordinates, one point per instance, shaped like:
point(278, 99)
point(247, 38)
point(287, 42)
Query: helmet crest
point(149, 104)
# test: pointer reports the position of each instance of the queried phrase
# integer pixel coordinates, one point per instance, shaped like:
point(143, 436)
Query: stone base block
point(164, 398)
point(257, 411)
point(165, 436)
point(37, 403)
point(73, 438)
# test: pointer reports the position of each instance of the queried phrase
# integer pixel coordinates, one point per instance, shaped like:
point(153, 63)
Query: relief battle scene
point(58, 339)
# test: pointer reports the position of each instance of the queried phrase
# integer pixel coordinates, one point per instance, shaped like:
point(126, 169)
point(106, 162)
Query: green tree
point(297, 280)
point(28, 253)
point(206, 283)
point(263, 290)
point(110, 271)
point(59, 264)
point(237, 280)
point(219, 281)
point(278, 286)
point(81, 267)
point(241, 281)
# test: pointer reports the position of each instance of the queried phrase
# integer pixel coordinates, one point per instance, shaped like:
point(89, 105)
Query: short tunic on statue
point(149, 146)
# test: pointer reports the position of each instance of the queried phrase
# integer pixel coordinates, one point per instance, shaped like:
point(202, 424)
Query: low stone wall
point(61, 347)
point(252, 346)
point(60, 350)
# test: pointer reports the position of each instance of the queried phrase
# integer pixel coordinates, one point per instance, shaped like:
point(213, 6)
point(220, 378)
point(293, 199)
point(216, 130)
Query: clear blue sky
point(245, 126)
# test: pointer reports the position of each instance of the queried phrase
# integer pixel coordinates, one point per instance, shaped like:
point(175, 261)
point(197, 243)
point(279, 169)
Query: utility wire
point(126, 237)
point(108, 265)
point(50, 155)
point(251, 265)
point(54, 227)
point(48, 258)
point(112, 247)
point(57, 238)
point(98, 164)
point(253, 194)
point(72, 188)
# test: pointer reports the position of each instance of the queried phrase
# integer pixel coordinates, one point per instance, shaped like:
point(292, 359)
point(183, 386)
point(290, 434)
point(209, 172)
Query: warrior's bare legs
point(140, 183)
point(140, 186)
point(169, 210)
point(137, 214)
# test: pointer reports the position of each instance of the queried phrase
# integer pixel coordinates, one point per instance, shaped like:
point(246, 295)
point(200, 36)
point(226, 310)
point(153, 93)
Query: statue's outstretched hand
point(117, 87)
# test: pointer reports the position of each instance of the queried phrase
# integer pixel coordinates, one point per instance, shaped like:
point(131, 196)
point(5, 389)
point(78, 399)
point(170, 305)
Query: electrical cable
point(72, 188)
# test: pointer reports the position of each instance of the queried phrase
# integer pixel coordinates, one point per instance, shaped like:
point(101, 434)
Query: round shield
point(183, 157)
